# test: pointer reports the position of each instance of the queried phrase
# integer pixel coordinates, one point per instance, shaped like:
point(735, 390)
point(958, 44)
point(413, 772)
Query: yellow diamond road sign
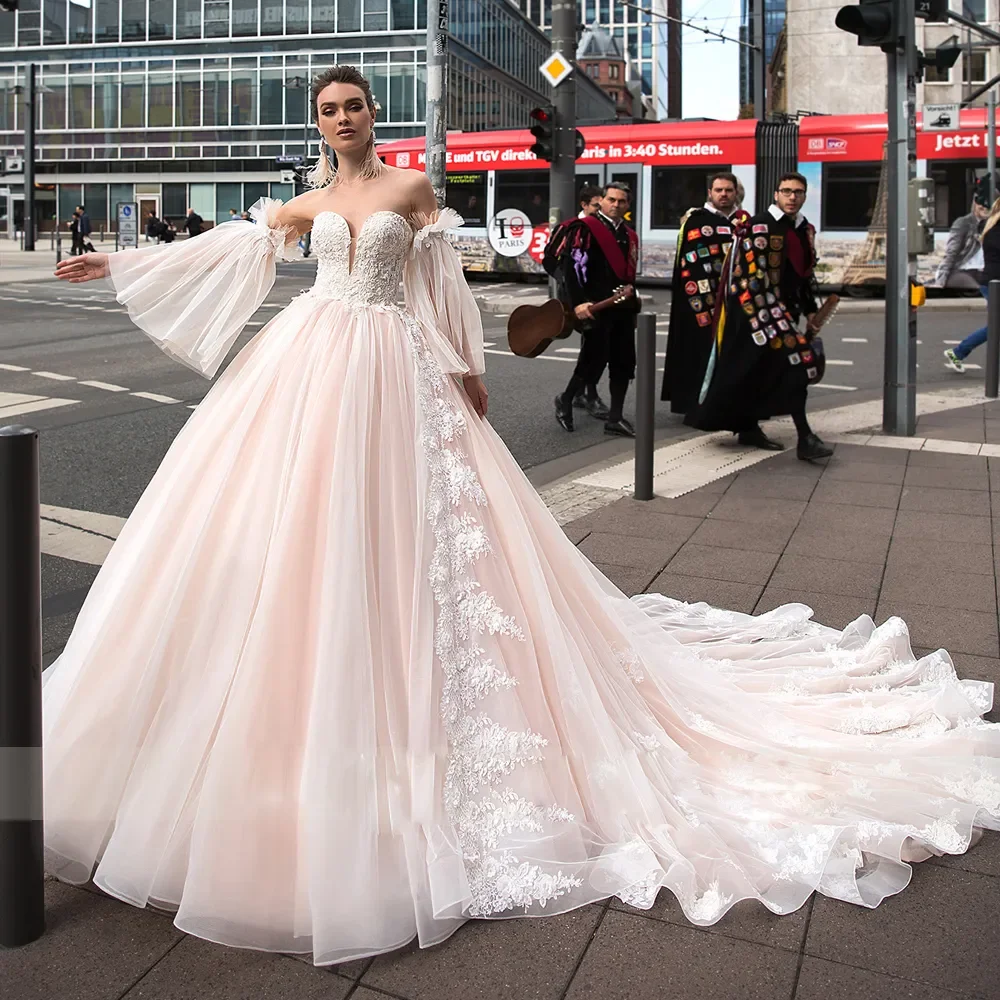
point(555, 69)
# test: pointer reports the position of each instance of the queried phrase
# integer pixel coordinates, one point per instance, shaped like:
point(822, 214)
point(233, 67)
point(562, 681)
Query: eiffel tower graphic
point(867, 266)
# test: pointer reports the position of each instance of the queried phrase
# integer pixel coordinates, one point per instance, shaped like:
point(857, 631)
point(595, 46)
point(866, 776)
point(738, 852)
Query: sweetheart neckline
point(368, 218)
point(361, 231)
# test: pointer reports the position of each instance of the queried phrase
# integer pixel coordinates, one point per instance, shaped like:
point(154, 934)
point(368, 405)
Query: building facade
point(601, 58)
point(632, 28)
point(177, 103)
point(774, 21)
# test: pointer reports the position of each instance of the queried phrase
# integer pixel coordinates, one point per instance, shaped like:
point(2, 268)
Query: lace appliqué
point(482, 752)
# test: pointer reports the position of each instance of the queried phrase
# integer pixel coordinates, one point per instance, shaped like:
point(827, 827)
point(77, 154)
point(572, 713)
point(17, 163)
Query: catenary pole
point(435, 116)
point(991, 138)
point(30, 115)
point(899, 378)
point(759, 62)
point(562, 183)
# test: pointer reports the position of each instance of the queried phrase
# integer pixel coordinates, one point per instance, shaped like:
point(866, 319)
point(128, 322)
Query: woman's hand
point(86, 267)
point(476, 391)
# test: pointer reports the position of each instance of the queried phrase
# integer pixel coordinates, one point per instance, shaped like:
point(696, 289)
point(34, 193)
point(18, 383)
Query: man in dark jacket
point(193, 223)
point(599, 256)
point(705, 236)
point(963, 256)
point(85, 230)
point(764, 358)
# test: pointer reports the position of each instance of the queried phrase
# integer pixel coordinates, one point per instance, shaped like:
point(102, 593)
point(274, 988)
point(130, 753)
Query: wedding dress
point(343, 681)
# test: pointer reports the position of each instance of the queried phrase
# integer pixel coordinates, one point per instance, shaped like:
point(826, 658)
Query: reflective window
point(324, 16)
point(849, 194)
point(244, 97)
point(133, 101)
point(466, 194)
point(215, 98)
point(272, 17)
point(161, 19)
point(161, 100)
point(174, 203)
point(106, 100)
point(527, 190)
point(272, 97)
point(676, 189)
point(348, 15)
point(189, 99)
point(296, 17)
point(244, 17)
point(53, 22)
point(53, 102)
point(81, 97)
point(133, 20)
point(188, 18)
point(95, 201)
point(403, 15)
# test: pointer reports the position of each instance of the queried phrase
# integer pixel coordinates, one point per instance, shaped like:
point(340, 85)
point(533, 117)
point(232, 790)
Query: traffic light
point(542, 124)
point(875, 22)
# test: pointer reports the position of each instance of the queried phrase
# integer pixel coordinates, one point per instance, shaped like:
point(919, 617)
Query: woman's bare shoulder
point(299, 212)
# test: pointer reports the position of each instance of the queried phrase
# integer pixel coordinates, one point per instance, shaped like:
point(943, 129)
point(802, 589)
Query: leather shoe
point(564, 414)
point(758, 439)
point(619, 428)
point(597, 408)
point(811, 447)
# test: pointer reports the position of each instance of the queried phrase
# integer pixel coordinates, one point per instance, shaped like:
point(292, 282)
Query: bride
point(343, 681)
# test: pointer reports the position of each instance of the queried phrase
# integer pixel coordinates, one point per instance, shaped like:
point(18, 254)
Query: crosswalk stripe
point(109, 386)
point(15, 368)
point(156, 397)
point(33, 406)
point(55, 376)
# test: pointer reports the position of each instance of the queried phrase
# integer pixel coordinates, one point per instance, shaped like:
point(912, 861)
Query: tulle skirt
point(343, 681)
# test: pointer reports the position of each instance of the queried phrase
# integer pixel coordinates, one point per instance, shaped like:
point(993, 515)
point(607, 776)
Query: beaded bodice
point(381, 249)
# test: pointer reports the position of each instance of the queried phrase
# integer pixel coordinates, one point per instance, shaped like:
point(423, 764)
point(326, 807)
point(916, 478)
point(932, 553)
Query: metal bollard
point(58, 247)
point(22, 877)
point(993, 340)
point(645, 404)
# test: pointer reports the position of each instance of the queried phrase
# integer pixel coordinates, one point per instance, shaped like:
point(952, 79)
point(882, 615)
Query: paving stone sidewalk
point(878, 531)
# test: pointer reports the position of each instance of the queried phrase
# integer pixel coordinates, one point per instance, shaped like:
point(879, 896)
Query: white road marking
point(838, 361)
point(56, 376)
point(13, 404)
point(951, 343)
point(80, 535)
point(567, 350)
point(156, 397)
point(108, 386)
point(830, 385)
point(854, 340)
point(15, 368)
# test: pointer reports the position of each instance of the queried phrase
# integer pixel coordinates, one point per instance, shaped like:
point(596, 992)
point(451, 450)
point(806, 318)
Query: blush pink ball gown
point(343, 681)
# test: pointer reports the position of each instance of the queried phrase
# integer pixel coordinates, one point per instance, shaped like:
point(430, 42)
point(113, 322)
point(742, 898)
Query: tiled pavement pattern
point(875, 531)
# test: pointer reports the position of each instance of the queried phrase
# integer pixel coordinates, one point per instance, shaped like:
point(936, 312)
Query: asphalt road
point(109, 403)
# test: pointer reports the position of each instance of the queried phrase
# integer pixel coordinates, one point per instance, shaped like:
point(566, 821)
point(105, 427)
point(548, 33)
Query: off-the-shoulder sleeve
point(437, 294)
point(194, 297)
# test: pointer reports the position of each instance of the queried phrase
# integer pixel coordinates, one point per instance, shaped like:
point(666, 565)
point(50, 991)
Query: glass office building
point(174, 103)
point(774, 21)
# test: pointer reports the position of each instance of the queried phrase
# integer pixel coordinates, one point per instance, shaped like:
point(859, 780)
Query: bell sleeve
point(192, 298)
point(436, 293)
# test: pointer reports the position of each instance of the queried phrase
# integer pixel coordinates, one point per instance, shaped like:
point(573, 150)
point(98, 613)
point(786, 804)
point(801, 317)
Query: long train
point(667, 164)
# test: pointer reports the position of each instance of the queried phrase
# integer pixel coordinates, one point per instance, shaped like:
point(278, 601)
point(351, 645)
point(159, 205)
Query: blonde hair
point(992, 220)
point(324, 173)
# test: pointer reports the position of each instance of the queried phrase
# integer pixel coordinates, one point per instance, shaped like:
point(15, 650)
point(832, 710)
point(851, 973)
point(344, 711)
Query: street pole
point(899, 374)
point(435, 116)
point(991, 138)
point(22, 870)
point(30, 101)
point(759, 62)
point(562, 173)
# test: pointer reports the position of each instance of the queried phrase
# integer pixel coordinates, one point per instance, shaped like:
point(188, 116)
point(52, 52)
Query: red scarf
point(624, 269)
point(799, 255)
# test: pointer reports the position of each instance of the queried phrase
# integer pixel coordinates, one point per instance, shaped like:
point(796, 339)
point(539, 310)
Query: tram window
point(527, 190)
point(466, 194)
point(850, 191)
point(676, 189)
point(954, 184)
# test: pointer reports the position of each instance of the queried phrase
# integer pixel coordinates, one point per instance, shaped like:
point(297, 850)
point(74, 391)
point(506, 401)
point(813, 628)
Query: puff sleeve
point(436, 293)
point(193, 297)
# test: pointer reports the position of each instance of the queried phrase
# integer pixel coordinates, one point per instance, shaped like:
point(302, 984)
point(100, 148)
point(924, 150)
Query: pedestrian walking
point(599, 256)
point(85, 230)
point(168, 232)
point(76, 239)
point(193, 222)
point(963, 255)
point(706, 234)
point(589, 203)
point(989, 245)
point(766, 360)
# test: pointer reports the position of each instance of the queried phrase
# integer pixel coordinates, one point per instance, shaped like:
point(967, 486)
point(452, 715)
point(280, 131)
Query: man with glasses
point(763, 358)
point(706, 233)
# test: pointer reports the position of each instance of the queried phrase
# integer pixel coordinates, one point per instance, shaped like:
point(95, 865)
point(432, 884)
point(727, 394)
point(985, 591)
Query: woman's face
point(344, 118)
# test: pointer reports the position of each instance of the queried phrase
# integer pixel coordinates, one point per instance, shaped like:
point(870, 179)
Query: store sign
point(517, 157)
point(510, 232)
point(128, 224)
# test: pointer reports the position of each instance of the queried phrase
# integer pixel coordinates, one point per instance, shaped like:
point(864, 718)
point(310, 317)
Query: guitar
point(531, 329)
